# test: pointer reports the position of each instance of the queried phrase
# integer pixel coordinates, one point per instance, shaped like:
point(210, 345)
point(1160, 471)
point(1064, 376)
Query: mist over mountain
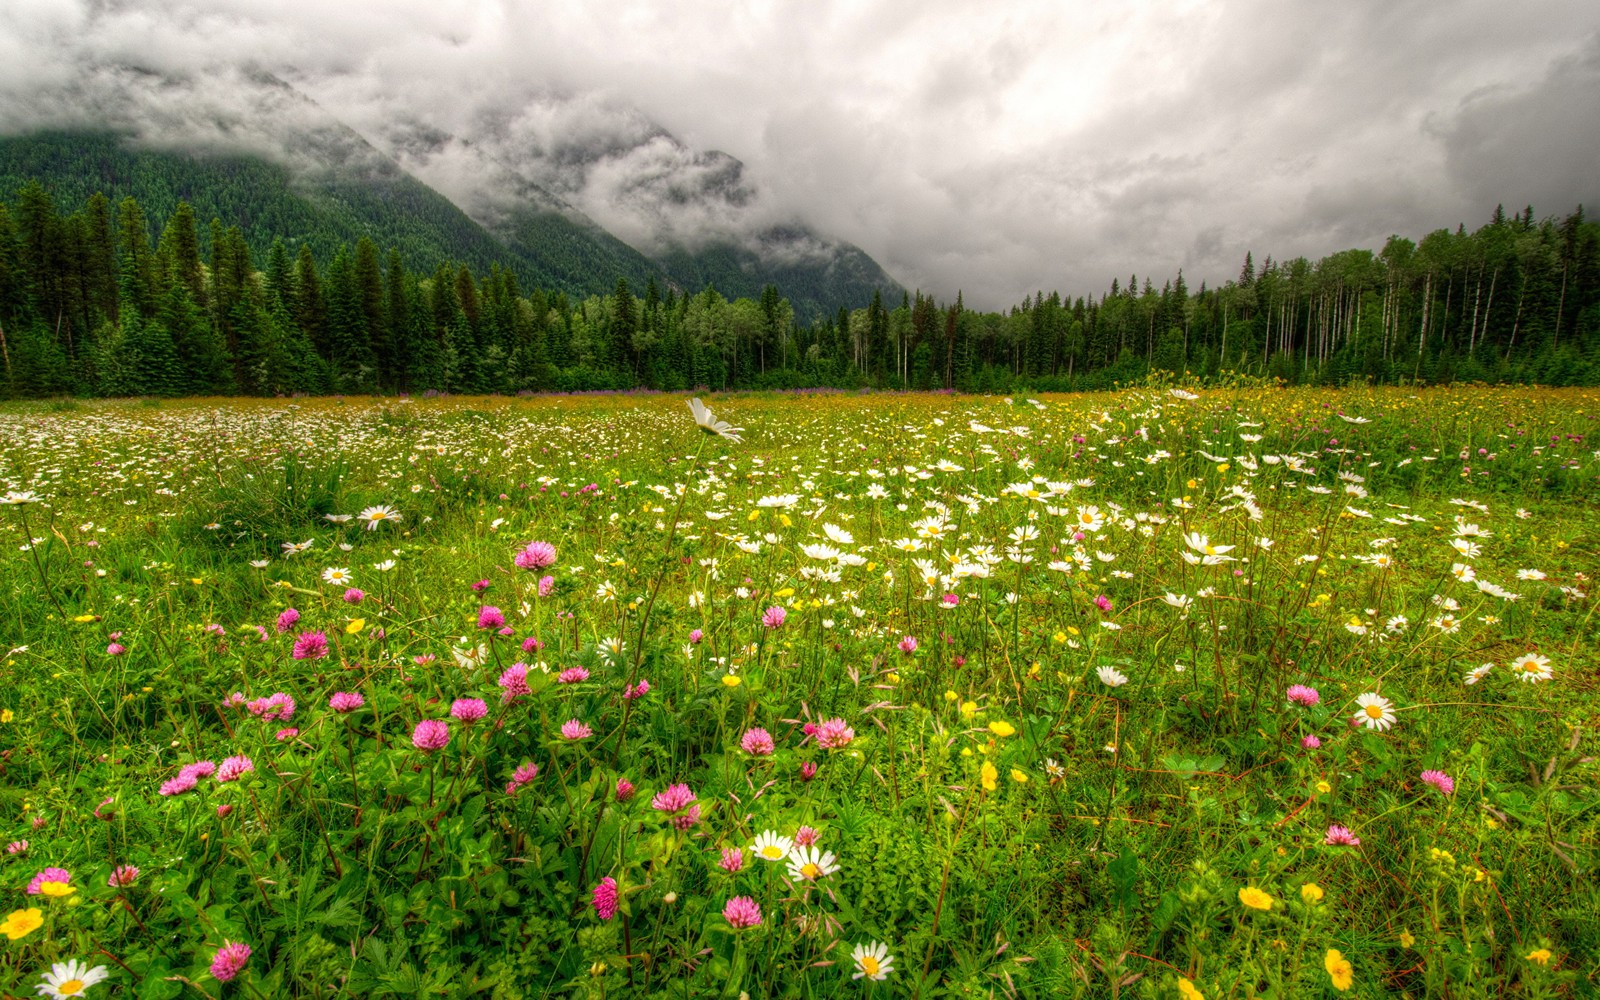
point(578, 191)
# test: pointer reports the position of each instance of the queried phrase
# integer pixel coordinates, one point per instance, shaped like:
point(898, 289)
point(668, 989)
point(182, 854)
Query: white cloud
point(997, 148)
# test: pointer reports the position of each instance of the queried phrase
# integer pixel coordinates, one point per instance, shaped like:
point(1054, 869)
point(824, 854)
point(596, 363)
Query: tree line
point(94, 302)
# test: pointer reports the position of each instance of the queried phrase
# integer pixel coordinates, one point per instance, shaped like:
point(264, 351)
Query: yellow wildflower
point(1407, 939)
point(1540, 957)
point(1188, 991)
point(355, 625)
point(1311, 892)
point(988, 773)
point(1019, 776)
point(21, 923)
point(1339, 969)
point(1255, 898)
point(1001, 727)
point(731, 680)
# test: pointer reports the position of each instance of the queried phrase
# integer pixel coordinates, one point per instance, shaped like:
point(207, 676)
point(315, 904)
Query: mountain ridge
point(571, 214)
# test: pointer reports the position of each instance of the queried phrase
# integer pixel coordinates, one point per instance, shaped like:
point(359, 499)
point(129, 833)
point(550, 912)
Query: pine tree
point(349, 354)
point(137, 283)
point(369, 292)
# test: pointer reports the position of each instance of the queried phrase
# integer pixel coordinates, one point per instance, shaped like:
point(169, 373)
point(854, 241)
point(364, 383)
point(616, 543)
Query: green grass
point(1004, 820)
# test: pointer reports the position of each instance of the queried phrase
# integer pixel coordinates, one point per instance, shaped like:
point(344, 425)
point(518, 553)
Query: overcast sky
point(996, 147)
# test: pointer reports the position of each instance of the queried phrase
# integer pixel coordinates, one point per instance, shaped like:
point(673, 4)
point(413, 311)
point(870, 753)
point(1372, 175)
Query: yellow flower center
point(869, 965)
point(71, 987)
point(772, 852)
point(1374, 711)
point(810, 870)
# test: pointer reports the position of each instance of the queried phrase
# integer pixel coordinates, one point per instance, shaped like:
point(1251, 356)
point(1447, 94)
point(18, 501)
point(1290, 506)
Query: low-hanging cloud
point(993, 148)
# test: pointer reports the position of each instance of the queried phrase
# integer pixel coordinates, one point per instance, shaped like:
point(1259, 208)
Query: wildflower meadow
point(1194, 693)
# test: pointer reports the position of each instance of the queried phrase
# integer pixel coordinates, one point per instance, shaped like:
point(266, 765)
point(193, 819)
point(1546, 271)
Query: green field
point(1224, 693)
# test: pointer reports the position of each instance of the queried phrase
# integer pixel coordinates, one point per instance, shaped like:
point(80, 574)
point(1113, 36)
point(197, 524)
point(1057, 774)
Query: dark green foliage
point(88, 306)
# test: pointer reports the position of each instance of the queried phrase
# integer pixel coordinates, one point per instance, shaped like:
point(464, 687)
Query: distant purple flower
point(1310, 742)
point(354, 596)
point(1302, 695)
point(115, 649)
point(199, 769)
point(808, 770)
point(732, 859)
point(537, 555)
point(468, 710)
point(908, 645)
point(805, 837)
point(741, 912)
point(639, 690)
point(18, 847)
point(773, 617)
point(696, 636)
point(234, 768)
point(521, 776)
point(624, 789)
point(480, 586)
point(230, 961)
point(1339, 836)
point(572, 729)
point(514, 682)
point(572, 675)
point(287, 619)
point(287, 733)
point(177, 786)
point(235, 700)
point(1102, 602)
point(346, 701)
point(1438, 779)
point(310, 646)
point(674, 798)
point(605, 898)
point(277, 706)
point(123, 876)
point(490, 616)
point(430, 735)
point(757, 742)
point(833, 734)
point(547, 585)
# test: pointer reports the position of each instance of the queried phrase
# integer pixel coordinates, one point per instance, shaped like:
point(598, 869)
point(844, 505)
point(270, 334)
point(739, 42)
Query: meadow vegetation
point(1234, 692)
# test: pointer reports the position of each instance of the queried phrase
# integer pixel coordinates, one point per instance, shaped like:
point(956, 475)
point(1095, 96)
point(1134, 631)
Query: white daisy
point(1477, 673)
point(376, 515)
point(708, 422)
point(1531, 667)
point(810, 864)
point(1376, 711)
point(872, 960)
point(1111, 677)
point(772, 846)
point(337, 575)
point(70, 979)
